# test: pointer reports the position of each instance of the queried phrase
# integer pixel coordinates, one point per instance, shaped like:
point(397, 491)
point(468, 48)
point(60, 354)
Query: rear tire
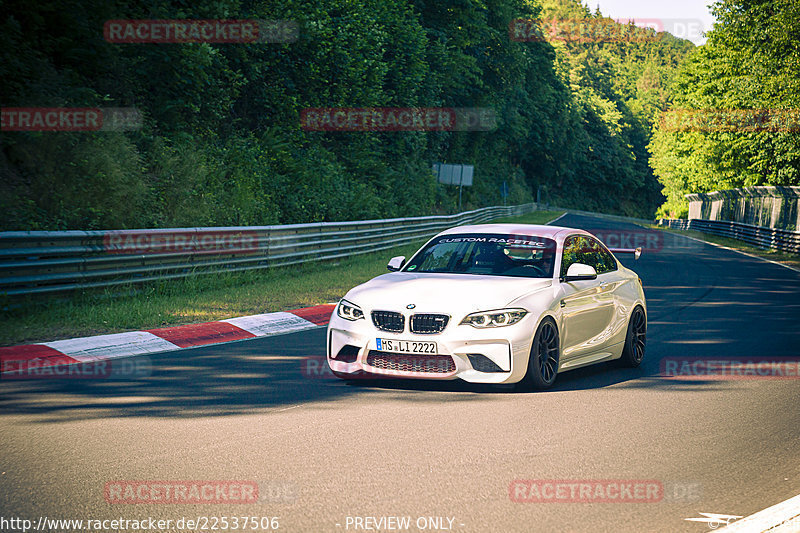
point(544, 357)
point(635, 339)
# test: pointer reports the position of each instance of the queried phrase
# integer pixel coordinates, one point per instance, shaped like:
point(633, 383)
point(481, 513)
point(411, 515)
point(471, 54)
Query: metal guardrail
point(762, 237)
point(43, 262)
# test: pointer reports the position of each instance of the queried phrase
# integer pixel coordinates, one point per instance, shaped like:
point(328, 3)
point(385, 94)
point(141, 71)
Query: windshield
point(493, 254)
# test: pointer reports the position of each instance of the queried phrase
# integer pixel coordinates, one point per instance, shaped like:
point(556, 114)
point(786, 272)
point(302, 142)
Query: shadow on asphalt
point(264, 374)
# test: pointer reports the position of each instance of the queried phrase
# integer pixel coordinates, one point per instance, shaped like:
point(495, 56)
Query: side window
point(571, 254)
point(598, 257)
point(588, 252)
point(607, 260)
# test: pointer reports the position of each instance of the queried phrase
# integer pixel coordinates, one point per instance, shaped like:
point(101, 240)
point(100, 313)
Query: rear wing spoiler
point(637, 252)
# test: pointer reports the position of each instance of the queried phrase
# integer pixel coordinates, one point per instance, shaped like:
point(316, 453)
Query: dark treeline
point(222, 144)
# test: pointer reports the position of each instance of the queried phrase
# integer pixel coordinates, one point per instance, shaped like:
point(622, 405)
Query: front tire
point(544, 357)
point(635, 340)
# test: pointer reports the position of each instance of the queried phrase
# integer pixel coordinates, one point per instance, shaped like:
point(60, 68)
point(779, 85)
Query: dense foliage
point(222, 142)
point(750, 64)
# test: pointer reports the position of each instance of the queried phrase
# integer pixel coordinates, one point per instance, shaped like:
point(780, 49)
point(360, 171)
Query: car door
point(607, 300)
point(587, 307)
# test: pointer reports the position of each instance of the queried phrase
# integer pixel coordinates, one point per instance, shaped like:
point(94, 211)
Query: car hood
point(442, 292)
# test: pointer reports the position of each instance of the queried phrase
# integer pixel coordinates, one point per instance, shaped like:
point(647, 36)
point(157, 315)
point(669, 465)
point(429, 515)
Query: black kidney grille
point(427, 324)
point(389, 321)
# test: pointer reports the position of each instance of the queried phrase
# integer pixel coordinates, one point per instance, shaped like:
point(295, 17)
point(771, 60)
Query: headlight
point(349, 311)
point(494, 319)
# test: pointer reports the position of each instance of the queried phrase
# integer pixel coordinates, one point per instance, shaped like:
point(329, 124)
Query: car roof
point(550, 232)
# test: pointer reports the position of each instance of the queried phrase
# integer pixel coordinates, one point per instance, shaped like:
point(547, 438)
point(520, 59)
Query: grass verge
point(773, 255)
point(202, 298)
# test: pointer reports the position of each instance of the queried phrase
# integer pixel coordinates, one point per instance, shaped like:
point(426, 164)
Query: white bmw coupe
point(493, 303)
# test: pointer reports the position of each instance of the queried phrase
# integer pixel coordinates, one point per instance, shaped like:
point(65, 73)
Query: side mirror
point(396, 263)
point(580, 272)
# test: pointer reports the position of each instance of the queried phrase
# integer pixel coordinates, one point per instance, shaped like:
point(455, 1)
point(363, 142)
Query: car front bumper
point(490, 355)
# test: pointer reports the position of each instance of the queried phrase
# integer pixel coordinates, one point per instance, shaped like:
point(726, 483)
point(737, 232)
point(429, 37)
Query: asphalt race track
point(324, 450)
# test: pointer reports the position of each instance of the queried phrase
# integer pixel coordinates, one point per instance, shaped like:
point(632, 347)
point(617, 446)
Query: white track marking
point(557, 218)
point(103, 347)
point(270, 323)
point(783, 517)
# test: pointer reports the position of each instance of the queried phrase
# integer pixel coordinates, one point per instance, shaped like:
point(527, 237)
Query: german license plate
point(399, 346)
